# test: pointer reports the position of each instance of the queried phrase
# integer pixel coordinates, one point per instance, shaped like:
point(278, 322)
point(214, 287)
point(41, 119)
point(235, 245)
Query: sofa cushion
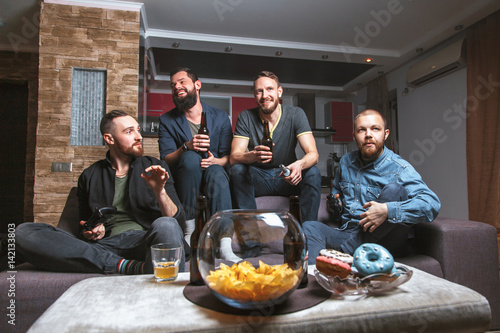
point(424, 263)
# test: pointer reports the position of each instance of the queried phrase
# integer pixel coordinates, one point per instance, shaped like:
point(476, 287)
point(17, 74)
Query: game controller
point(334, 206)
point(100, 216)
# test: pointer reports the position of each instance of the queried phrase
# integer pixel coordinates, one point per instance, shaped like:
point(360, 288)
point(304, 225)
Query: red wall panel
point(241, 104)
point(341, 120)
point(159, 103)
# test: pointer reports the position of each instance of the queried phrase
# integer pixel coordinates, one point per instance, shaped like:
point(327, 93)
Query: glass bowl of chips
point(249, 258)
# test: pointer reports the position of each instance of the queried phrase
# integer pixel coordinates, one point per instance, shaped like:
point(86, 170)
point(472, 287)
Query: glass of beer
point(166, 261)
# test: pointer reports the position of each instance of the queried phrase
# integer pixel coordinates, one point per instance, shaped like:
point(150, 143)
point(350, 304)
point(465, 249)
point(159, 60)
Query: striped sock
point(130, 267)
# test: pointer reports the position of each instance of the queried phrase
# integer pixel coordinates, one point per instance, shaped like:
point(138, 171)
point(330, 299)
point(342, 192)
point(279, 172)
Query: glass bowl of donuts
point(251, 258)
point(370, 270)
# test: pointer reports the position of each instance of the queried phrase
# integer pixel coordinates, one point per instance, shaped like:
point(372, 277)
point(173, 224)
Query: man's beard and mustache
point(185, 102)
point(133, 151)
point(370, 154)
point(268, 109)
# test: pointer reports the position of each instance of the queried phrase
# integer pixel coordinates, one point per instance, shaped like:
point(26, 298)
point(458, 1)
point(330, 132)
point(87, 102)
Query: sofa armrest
point(69, 220)
point(467, 252)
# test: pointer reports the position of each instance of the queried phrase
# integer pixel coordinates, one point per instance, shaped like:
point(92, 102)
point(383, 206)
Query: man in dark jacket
point(197, 161)
point(148, 211)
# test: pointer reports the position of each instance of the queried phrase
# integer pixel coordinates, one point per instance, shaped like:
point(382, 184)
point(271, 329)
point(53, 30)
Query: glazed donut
point(347, 258)
point(372, 258)
point(332, 267)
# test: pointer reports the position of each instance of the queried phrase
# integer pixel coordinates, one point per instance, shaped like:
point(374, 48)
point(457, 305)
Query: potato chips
point(243, 282)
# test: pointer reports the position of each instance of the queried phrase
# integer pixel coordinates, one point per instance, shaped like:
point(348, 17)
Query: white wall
point(432, 136)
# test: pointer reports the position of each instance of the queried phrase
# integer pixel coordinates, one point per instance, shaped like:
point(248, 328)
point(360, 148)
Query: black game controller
point(100, 215)
point(334, 206)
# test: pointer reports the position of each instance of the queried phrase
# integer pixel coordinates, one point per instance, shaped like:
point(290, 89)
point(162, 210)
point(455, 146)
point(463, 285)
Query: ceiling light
point(368, 60)
point(324, 56)
point(176, 44)
point(279, 53)
point(228, 49)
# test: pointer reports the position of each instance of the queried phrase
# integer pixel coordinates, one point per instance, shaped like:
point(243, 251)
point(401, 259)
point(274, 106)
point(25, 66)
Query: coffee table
point(138, 304)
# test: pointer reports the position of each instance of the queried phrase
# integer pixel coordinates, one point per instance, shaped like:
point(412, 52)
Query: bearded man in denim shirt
point(379, 196)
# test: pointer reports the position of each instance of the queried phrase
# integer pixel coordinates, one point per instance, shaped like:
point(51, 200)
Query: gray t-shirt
point(291, 124)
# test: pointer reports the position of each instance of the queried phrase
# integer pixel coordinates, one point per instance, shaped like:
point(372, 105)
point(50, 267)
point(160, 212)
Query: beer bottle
point(295, 211)
point(286, 173)
point(203, 125)
point(203, 130)
point(200, 220)
point(266, 138)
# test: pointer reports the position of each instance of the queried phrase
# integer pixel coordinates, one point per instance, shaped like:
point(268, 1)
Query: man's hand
point(375, 215)
point(157, 179)
point(296, 173)
point(206, 162)
point(262, 154)
point(199, 142)
point(94, 234)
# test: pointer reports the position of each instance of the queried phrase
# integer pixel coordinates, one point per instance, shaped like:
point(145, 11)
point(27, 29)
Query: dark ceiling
point(227, 66)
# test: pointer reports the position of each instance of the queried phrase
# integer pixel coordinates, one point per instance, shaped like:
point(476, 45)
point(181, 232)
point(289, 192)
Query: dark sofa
point(464, 252)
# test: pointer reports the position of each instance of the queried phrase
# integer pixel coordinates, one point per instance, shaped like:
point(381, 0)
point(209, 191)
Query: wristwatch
point(184, 147)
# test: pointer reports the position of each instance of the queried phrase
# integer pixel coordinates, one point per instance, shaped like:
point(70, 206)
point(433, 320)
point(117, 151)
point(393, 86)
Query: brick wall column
point(83, 37)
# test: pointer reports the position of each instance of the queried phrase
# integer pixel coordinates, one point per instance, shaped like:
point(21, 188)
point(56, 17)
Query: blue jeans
point(191, 180)
point(51, 248)
point(393, 236)
point(248, 182)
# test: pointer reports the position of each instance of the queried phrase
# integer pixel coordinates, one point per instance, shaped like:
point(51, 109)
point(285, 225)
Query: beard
point(269, 109)
point(134, 151)
point(186, 102)
point(370, 154)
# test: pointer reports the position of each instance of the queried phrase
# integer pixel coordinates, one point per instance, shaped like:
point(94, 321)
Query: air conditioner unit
point(443, 62)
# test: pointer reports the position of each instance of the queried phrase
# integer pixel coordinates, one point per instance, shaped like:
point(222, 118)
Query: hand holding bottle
point(285, 172)
point(208, 161)
point(199, 143)
point(203, 137)
point(292, 173)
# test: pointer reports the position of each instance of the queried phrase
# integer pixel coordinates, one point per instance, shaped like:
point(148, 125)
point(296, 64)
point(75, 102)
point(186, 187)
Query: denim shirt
point(358, 184)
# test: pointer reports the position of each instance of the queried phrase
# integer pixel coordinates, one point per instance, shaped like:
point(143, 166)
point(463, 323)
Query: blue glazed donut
point(372, 258)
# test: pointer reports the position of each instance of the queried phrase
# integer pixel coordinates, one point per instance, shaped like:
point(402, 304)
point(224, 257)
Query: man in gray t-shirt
point(255, 171)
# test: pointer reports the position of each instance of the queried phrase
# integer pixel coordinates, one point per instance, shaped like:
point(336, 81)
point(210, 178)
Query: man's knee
point(312, 176)
point(217, 174)
point(167, 226)
point(239, 170)
point(189, 160)
point(24, 228)
point(23, 232)
point(312, 228)
point(28, 230)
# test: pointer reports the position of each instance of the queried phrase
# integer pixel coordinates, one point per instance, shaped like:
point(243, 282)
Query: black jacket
point(96, 188)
